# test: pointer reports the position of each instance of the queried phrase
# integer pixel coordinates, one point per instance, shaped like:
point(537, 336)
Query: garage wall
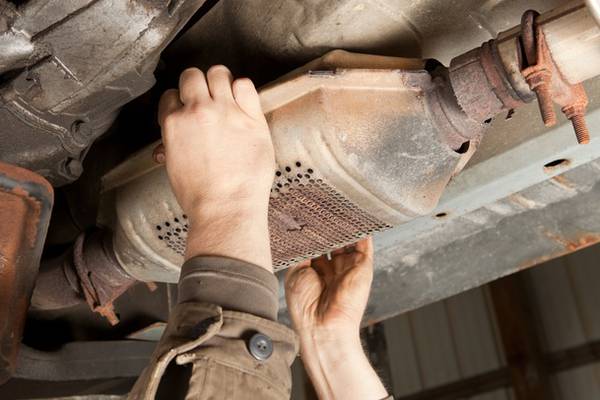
point(442, 343)
point(566, 295)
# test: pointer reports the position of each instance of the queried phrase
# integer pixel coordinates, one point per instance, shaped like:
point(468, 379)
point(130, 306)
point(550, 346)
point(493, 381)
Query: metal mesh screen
point(307, 218)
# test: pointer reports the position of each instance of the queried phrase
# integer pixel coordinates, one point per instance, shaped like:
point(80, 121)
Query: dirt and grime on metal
point(25, 204)
point(567, 246)
point(544, 78)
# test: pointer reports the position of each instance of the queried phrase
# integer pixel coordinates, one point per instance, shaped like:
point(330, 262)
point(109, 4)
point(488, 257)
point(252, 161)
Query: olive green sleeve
point(232, 284)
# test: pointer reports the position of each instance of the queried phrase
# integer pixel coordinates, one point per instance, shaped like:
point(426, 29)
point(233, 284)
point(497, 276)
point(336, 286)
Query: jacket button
point(260, 346)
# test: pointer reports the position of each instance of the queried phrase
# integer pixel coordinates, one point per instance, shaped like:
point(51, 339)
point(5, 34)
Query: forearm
point(338, 367)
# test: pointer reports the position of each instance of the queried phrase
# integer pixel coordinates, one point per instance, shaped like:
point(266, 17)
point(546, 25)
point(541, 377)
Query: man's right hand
point(326, 300)
point(217, 142)
point(220, 162)
point(329, 297)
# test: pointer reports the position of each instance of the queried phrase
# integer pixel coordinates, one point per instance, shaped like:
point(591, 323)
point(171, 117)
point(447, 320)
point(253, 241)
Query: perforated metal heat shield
point(358, 150)
point(307, 218)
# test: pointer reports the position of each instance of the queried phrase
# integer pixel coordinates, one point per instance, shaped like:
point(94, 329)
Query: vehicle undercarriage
point(449, 130)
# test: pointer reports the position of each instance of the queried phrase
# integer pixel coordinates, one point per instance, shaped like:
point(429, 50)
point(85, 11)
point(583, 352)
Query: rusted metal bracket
point(89, 272)
point(25, 205)
point(99, 275)
point(544, 78)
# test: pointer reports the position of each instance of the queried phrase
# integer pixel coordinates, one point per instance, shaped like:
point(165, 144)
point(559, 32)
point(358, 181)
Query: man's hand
point(328, 297)
point(326, 300)
point(220, 162)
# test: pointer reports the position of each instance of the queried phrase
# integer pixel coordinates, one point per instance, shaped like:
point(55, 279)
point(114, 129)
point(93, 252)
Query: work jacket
point(223, 338)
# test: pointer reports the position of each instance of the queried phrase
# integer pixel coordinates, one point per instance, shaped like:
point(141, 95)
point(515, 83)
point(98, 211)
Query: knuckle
point(243, 82)
point(169, 120)
point(201, 110)
point(217, 69)
point(190, 71)
point(203, 113)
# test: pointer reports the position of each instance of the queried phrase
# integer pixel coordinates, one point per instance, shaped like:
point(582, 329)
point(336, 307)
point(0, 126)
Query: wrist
point(236, 229)
point(338, 366)
point(343, 338)
point(208, 209)
point(325, 349)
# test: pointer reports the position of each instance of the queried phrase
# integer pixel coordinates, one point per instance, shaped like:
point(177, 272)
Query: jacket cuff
point(232, 284)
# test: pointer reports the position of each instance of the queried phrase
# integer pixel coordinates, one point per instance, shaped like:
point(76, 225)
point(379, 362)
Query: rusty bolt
point(581, 130)
point(576, 113)
point(539, 81)
point(546, 105)
point(577, 116)
point(543, 78)
point(537, 73)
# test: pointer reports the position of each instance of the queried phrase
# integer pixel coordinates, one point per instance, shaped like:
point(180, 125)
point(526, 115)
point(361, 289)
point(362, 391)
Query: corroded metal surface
point(299, 31)
point(543, 76)
point(67, 67)
point(25, 205)
point(87, 273)
point(308, 217)
point(100, 277)
point(482, 85)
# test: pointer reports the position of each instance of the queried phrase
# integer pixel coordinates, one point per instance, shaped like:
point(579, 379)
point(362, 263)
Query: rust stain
point(522, 201)
point(563, 182)
point(33, 207)
point(568, 246)
point(583, 242)
point(557, 238)
point(544, 78)
point(23, 218)
point(34, 210)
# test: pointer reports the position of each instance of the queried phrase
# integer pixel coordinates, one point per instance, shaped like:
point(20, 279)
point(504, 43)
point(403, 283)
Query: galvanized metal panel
point(556, 307)
point(405, 370)
point(434, 345)
point(501, 394)
point(580, 384)
point(583, 270)
point(473, 334)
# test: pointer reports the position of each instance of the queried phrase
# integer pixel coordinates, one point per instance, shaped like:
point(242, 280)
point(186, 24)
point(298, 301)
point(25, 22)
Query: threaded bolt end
point(546, 105)
point(581, 130)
